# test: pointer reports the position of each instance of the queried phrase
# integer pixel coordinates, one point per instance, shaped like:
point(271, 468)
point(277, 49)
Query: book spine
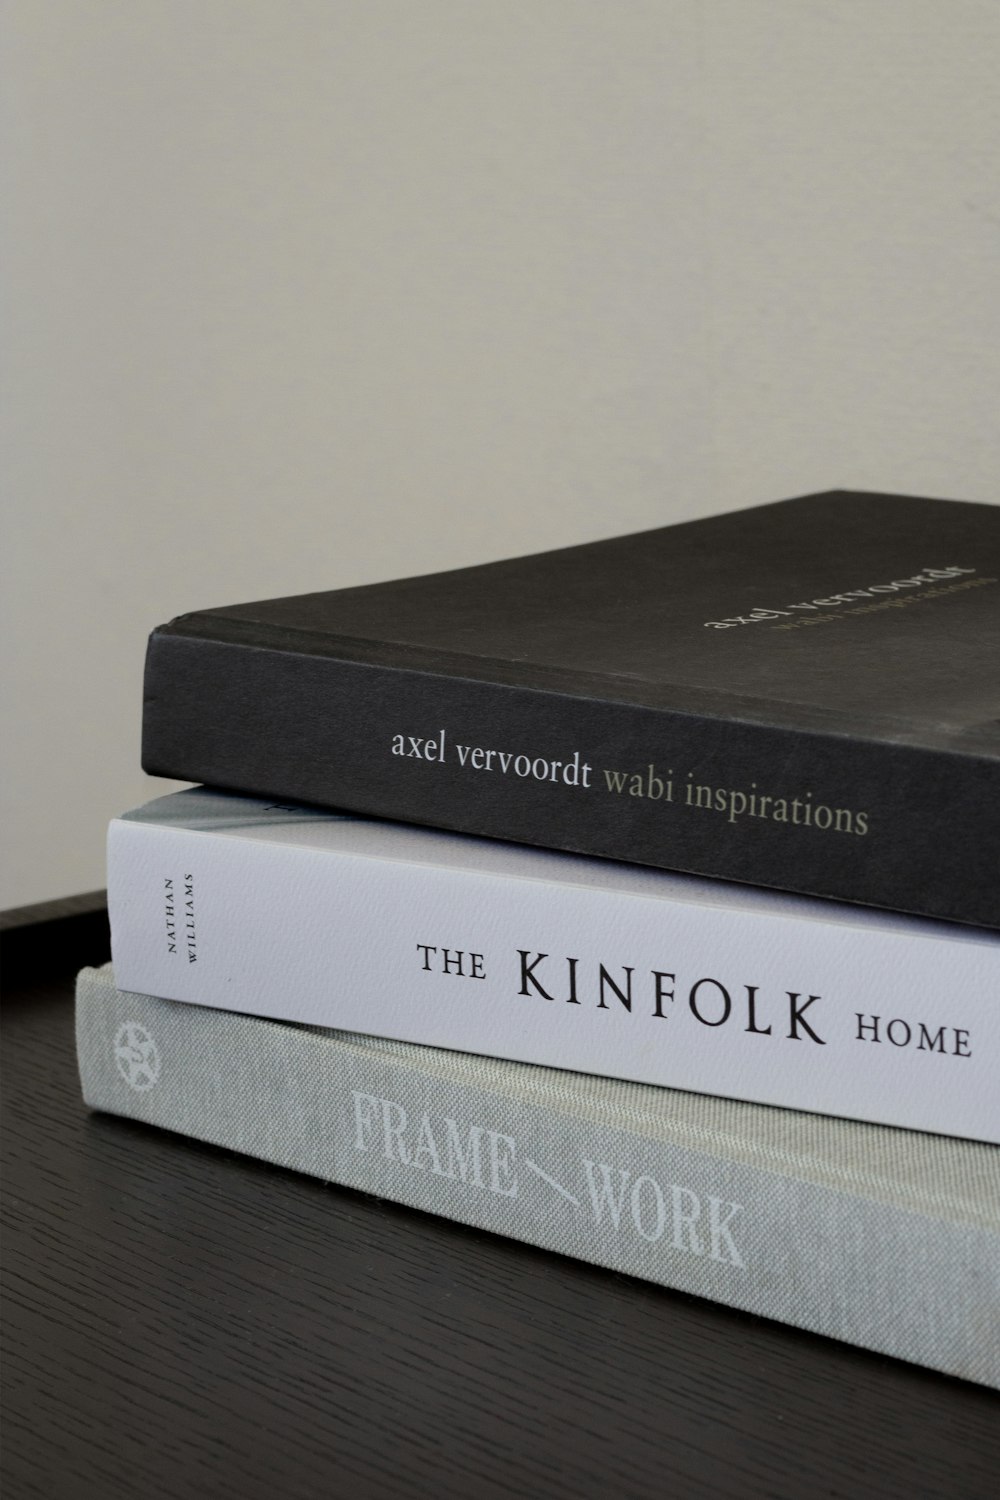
point(764, 1241)
point(861, 1020)
point(712, 792)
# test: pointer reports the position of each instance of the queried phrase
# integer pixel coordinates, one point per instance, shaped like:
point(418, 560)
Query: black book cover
point(805, 695)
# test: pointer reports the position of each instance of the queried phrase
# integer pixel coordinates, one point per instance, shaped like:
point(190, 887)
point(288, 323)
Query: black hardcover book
point(805, 695)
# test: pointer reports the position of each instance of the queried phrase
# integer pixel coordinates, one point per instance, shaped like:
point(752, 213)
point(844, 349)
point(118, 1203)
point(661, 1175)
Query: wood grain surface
point(183, 1322)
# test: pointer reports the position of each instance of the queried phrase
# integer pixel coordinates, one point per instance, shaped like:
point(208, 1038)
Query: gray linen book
point(884, 1238)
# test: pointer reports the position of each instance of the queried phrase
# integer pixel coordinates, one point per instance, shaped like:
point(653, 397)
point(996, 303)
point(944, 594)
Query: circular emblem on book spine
point(137, 1056)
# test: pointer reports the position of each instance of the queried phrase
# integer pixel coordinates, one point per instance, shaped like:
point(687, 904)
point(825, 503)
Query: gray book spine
point(883, 1238)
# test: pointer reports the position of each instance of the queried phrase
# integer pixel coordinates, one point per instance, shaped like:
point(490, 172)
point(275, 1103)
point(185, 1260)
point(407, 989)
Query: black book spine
point(885, 825)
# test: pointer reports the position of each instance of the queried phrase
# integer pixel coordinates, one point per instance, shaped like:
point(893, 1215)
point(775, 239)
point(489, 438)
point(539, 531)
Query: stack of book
point(691, 969)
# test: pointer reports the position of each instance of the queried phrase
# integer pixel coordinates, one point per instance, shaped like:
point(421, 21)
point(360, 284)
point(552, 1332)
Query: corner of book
point(85, 996)
point(153, 639)
point(94, 997)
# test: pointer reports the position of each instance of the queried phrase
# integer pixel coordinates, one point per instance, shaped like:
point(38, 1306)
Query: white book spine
point(871, 1021)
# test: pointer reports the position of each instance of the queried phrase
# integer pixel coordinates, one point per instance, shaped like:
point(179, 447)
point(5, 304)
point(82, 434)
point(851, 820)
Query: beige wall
point(303, 294)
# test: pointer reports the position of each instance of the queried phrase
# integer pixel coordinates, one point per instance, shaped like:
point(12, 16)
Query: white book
point(406, 933)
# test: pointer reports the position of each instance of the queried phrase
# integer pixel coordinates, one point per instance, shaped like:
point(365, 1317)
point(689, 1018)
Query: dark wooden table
point(182, 1322)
